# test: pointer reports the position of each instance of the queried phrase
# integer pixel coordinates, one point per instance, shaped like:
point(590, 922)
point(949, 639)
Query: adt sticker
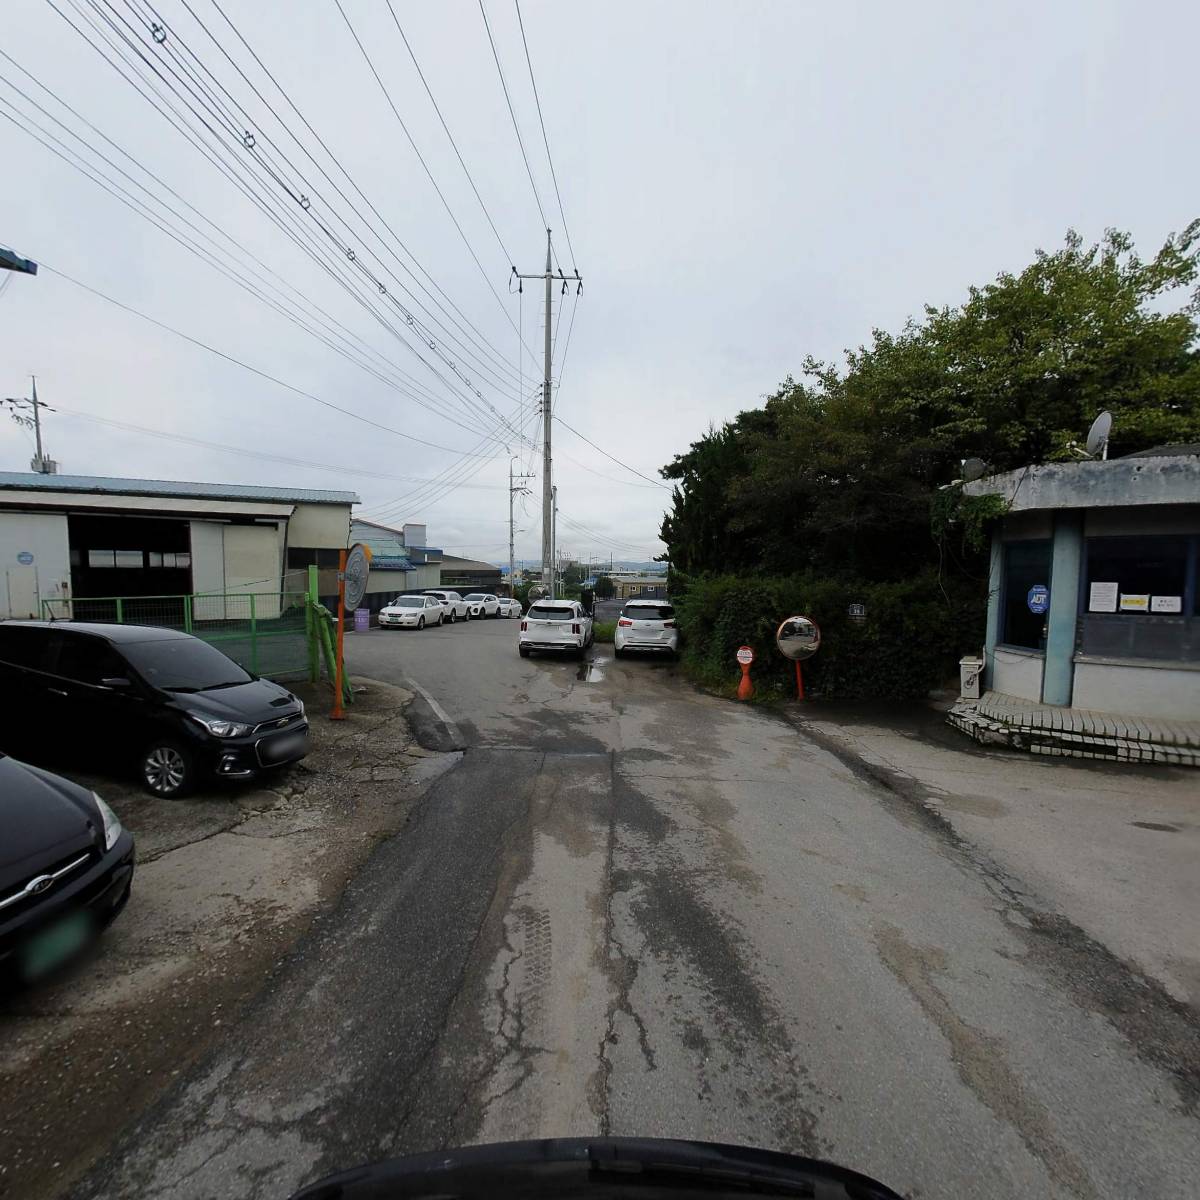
point(25, 558)
point(1038, 598)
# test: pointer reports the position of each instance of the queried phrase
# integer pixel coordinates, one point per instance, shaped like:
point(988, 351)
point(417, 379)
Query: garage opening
point(129, 556)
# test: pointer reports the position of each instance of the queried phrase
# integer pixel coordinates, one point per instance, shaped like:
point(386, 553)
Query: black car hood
point(43, 818)
point(250, 703)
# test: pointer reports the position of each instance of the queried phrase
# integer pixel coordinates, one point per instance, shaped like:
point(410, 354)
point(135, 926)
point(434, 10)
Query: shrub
point(910, 642)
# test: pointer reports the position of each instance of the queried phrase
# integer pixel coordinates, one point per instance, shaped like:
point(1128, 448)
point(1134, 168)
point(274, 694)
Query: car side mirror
point(116, 681)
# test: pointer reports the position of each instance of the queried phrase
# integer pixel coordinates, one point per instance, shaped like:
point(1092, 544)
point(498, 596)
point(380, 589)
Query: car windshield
point(648, 612)
point(540, 612)
point(409, 602)
point(476, 596)
point(183, 664)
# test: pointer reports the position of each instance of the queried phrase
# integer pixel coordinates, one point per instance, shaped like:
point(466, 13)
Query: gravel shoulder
point(226, 883)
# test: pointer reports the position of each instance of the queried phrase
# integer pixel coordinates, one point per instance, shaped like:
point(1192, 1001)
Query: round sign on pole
point(25, 558)
point(798, 638)
point(358, 567)
point(538, 592)
point(1038, 598)
point(745, 655)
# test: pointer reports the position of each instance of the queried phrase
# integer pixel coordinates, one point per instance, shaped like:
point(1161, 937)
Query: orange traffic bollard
point(745, 657)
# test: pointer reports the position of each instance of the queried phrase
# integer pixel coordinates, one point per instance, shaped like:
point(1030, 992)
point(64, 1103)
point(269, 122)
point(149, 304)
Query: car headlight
point(112, 823)
point(219, 728)
point(301, 703)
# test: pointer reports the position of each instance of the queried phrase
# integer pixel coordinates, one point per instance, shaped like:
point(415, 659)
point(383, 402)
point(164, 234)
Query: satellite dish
point(973, 468)
point(1097, 438)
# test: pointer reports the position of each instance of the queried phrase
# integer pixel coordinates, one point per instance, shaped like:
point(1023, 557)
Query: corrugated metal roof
point(31, 481)
point(387, 545)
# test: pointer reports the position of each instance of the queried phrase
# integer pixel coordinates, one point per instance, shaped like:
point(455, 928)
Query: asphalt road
point(630, 908)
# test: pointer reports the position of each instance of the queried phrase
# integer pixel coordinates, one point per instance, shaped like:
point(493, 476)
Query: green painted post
point(187, 614)
point(120, 611)
point(253, 638)
point(310, 627)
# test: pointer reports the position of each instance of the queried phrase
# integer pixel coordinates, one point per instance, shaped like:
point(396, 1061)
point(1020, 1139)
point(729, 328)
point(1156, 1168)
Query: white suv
point(555, 625)
point(646, 625)
point(484, 604)
point(455, 608)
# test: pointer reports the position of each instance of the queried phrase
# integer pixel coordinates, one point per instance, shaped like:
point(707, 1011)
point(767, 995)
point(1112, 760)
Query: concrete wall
point(320, 526)
point(23, 586)
point(1017, 674)
point(1170, 692)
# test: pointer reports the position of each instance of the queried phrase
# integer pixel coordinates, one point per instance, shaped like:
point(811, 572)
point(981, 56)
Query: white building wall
point(320, 526)
point(208, 556)
point(1017, 674)
point(1170, 692)
point(23, 586)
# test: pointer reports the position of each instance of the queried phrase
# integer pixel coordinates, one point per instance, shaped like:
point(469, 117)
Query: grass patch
point(604, 630)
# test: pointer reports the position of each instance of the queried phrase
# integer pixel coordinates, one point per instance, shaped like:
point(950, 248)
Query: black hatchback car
point(163, 703)
point(66, 868)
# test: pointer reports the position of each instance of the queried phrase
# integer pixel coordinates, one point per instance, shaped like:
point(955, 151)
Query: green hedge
point(910, 642)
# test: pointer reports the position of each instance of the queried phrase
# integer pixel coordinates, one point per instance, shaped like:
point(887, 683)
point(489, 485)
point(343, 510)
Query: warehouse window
point(1026, 565)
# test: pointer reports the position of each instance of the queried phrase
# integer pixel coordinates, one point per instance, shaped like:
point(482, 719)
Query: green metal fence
point(268, 633)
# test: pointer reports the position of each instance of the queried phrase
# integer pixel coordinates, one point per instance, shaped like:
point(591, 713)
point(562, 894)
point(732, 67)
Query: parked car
point(555, 625)
point(66, 868)
point(454, 607)
point(412, 611)
point(510, 607)
point(169, 705)
point(484, 604)
point(646, 625)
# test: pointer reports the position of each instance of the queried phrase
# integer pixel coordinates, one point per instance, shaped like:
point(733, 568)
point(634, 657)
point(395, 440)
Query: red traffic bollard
point(745, 657)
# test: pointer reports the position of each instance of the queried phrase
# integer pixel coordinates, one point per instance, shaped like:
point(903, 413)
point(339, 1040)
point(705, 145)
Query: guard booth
point(1092, 643)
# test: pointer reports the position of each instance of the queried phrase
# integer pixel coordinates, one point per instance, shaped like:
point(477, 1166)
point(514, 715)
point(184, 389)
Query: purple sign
point(362, 620)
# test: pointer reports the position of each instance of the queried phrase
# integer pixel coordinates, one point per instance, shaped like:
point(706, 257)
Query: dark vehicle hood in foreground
point(630, 1168)
point(43, 818)
point(258, 700)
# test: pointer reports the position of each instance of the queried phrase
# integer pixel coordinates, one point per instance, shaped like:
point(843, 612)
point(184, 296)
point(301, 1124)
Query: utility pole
point(553, 540)
point(513, 490)
point(547, 391)
point(41, 464)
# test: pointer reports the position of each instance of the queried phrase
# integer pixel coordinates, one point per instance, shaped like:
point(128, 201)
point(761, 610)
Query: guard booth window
point(1026, 564)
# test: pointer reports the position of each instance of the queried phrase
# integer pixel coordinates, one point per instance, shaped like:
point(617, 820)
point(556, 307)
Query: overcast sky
point(744, 184)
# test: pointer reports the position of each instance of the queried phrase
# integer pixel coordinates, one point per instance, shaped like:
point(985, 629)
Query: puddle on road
point(592, 670)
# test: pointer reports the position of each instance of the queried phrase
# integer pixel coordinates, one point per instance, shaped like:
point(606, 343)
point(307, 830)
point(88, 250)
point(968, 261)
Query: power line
point(421, 158)
point(513, 115)
point(297, 196)
point(458, 153)
point(545, 139)
point(611, 457)
point(333, 158)
point(164, 435)
point(187, 337)
point(305, 242)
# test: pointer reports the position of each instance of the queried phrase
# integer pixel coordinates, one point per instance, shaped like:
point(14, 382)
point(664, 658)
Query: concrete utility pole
point(41, 464)
point(553, 541)
point(514, 488)
point(547, 414)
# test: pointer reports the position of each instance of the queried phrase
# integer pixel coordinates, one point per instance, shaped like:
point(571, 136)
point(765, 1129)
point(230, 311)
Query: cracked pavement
point(631, 908)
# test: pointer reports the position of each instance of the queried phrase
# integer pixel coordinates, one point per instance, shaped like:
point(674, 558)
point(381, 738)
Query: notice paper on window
point(1135, 602)
point(1102, 597)
point(1166, 604)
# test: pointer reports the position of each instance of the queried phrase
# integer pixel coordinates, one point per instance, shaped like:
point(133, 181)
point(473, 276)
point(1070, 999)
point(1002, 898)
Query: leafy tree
point(605, 588)
point(837, 475)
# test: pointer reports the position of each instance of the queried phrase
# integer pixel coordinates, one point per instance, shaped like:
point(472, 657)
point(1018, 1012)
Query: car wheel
point(618, 653)
point(420, 622)
point(168, 769)
point(439, 619)
point(450, 618)
point(523, 651)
